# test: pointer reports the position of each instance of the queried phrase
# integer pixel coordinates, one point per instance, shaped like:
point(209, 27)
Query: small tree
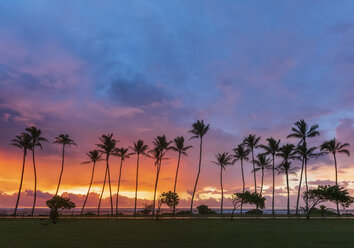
point(57, 204)
point(170, 199)
point(247, 198)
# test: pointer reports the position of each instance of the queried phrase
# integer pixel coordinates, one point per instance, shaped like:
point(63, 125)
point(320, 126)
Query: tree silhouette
point(64, 140)
point(241, 154)
point(108, 147)
point(36, 140)
point(262, 163)
point(272, 148)
point(139, 148)
point(199, 130)
point(222, 160)
point(24, 142)
point(251, 142)
point(333, 146)
point(182, 150)
point(94, 157)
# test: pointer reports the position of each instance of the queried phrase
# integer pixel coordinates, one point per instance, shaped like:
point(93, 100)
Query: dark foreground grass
point(177, 233)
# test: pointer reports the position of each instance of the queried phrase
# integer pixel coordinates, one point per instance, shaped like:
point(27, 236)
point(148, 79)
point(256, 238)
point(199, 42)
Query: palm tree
point(272, 148)
point(123, 154)
point(63, 139)
point(251, 142)
point(161, 146)
point(36, 140)
point(222, 160)
point(94, 157)
point(287, 152)
point(182, 150)
point(241, 154)
point(333, 146)
point(199, 130)
point(305, 153)
point(24, 142)
point(262, 162)
point(108, 147)
point(139, 148)
point(302, 131)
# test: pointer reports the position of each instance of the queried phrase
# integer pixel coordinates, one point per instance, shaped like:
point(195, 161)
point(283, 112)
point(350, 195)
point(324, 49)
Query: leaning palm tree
point(123, 154)
point(222, 160)
point(251, 142)
point(36, 140)
point(108, 147)
point(199, 130)
point(182, 150)
point(63, 139)
point(272, 148)
point(94, 157)
point(139, 148)
point(241, 154)
point(24, 142)
point(262, 163)
point(333, 146)
point(302, 131)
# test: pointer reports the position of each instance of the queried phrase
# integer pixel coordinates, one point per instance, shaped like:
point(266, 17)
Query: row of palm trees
point(245, 151)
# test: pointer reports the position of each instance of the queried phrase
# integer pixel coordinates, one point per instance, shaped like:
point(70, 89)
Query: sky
point(139, 69)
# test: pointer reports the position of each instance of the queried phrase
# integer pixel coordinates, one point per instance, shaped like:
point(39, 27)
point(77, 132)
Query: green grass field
point(177, 233)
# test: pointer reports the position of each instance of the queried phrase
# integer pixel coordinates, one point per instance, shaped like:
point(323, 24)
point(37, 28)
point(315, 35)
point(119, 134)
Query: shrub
point(204, 209)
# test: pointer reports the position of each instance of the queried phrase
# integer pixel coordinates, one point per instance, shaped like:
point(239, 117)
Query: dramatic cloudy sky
point(145, 68)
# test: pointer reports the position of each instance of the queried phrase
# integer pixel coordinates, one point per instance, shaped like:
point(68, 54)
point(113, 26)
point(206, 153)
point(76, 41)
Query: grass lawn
point(177, 233)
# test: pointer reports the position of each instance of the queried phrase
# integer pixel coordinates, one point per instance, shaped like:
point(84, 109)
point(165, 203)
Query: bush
point(255, 212)
point(204, 209)
point(147, 209)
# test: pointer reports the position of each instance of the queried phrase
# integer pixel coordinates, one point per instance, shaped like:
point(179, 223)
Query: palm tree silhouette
point(139, 148)
point(24, 142)
point(199, 130)
point(94, 157)
point(36, 140)
point(182, 150)
point(123, 154)
point(108, 147)
point(272, 148)
point(302, 131)
point(241, 154)
point(251, 142)
point(63, 139)
point(262, 162)
point(333, 146)
point(222, 160)
point(287, 152)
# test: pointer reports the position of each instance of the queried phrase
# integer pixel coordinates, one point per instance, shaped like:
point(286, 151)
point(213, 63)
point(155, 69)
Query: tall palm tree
point(305, 153)
point(333, 146)
point(108, 147)
point(302, 131)
point(241, 154)
point(63, 139)
point(272, 148)
point(199, 130)
point(182, 150)
point(262, 163)
point(24, 142)
point(222, 160)
point(139, 148)
point(251, 142)
point(161, 146)
point(36, 135)
point(94, 157)
point(287, 152)
point(123, 154)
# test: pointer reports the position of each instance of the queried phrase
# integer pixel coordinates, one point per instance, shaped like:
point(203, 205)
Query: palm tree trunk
point(19, 191)
point(307, 189)
point(243, 184)
point(336, 171)
point(287, 187)
point(88, 191)
point(35, 182)
point(222, 190)
point(136, 183)
point(110, 188)
point(254, 173)
point(174, 188)
point(62, 169)
point(104, 184)
point(196, 181)
point(273, 198)
point(120, 172)
point(157, 180)
point(299, 189)
point(262, 180)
